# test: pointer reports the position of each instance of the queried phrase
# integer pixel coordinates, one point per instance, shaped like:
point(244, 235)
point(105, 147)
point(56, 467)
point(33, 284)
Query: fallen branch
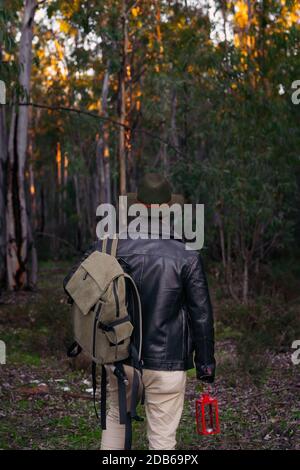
point(77, 395)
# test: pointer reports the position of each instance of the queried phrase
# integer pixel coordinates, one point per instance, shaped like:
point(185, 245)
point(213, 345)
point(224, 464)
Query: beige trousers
point(164, 400)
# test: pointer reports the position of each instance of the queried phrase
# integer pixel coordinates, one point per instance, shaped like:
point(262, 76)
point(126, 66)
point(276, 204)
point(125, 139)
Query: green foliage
point(215, 117)
point(259, 330)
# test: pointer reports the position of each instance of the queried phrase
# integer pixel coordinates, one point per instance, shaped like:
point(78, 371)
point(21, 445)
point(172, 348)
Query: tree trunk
point(78, 210)
point(3, 161)
point(90, 225)
point(174, 134)
point(12, 261)
point(245, 282)
point(16, 214)
point(103, 157)
point(33, 260)
point(222, 243)
point(122, 98)
point(42, 215)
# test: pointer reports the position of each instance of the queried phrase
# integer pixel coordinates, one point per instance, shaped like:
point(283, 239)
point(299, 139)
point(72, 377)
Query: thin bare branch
point(103, 118)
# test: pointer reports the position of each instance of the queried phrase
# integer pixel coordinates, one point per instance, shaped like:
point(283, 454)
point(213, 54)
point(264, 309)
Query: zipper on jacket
point(116, 297)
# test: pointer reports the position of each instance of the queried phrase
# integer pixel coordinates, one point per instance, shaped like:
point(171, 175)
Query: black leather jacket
point(178, 331)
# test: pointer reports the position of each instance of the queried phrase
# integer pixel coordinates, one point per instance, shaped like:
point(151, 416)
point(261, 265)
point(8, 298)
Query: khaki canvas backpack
point(102, 294)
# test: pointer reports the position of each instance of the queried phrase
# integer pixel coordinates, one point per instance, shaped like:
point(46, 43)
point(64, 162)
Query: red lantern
point(207, 415)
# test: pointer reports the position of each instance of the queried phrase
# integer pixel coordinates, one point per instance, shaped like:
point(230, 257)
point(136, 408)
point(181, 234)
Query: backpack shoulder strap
point(139, 311)
point(110, 246)
point(104, 245)
point(114, 246)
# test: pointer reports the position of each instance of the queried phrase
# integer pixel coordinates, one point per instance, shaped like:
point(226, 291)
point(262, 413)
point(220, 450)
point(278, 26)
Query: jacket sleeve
point(201, 318)
point(91, 249)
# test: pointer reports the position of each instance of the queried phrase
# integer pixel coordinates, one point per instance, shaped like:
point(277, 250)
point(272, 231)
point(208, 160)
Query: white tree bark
point(23, 114)
point(3, 160)
point(16, 215)
point(12, 262)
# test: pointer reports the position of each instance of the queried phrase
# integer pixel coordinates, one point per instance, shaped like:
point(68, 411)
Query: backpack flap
point(102, 268)
point(119, 332)
point(84, 290)
point(113, 341)
point(88, 283)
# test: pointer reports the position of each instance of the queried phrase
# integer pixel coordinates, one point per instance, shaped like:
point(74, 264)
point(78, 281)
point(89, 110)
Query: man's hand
point(206, 373)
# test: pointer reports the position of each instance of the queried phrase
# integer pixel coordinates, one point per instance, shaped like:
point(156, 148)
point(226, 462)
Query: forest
point(93, 95)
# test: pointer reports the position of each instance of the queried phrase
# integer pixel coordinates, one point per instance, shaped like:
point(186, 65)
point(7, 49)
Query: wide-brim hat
point(154, 189)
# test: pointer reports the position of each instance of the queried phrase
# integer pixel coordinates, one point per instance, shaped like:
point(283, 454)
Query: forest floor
point(46, 400)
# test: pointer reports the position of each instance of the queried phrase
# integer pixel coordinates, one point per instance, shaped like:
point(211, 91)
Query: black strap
point(135, 397)
point(74, 349)
point(135, 319)
point(134, 360)
point(125, 416)
point(110, 326)
point(108, 245)
point(143, 395)
point(94, 385)
point(103, 398)
point(121, 377)
point(137, 364)
point(128, 432)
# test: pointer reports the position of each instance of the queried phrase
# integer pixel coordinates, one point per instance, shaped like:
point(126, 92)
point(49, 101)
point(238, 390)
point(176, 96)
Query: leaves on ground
point(46, 402)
